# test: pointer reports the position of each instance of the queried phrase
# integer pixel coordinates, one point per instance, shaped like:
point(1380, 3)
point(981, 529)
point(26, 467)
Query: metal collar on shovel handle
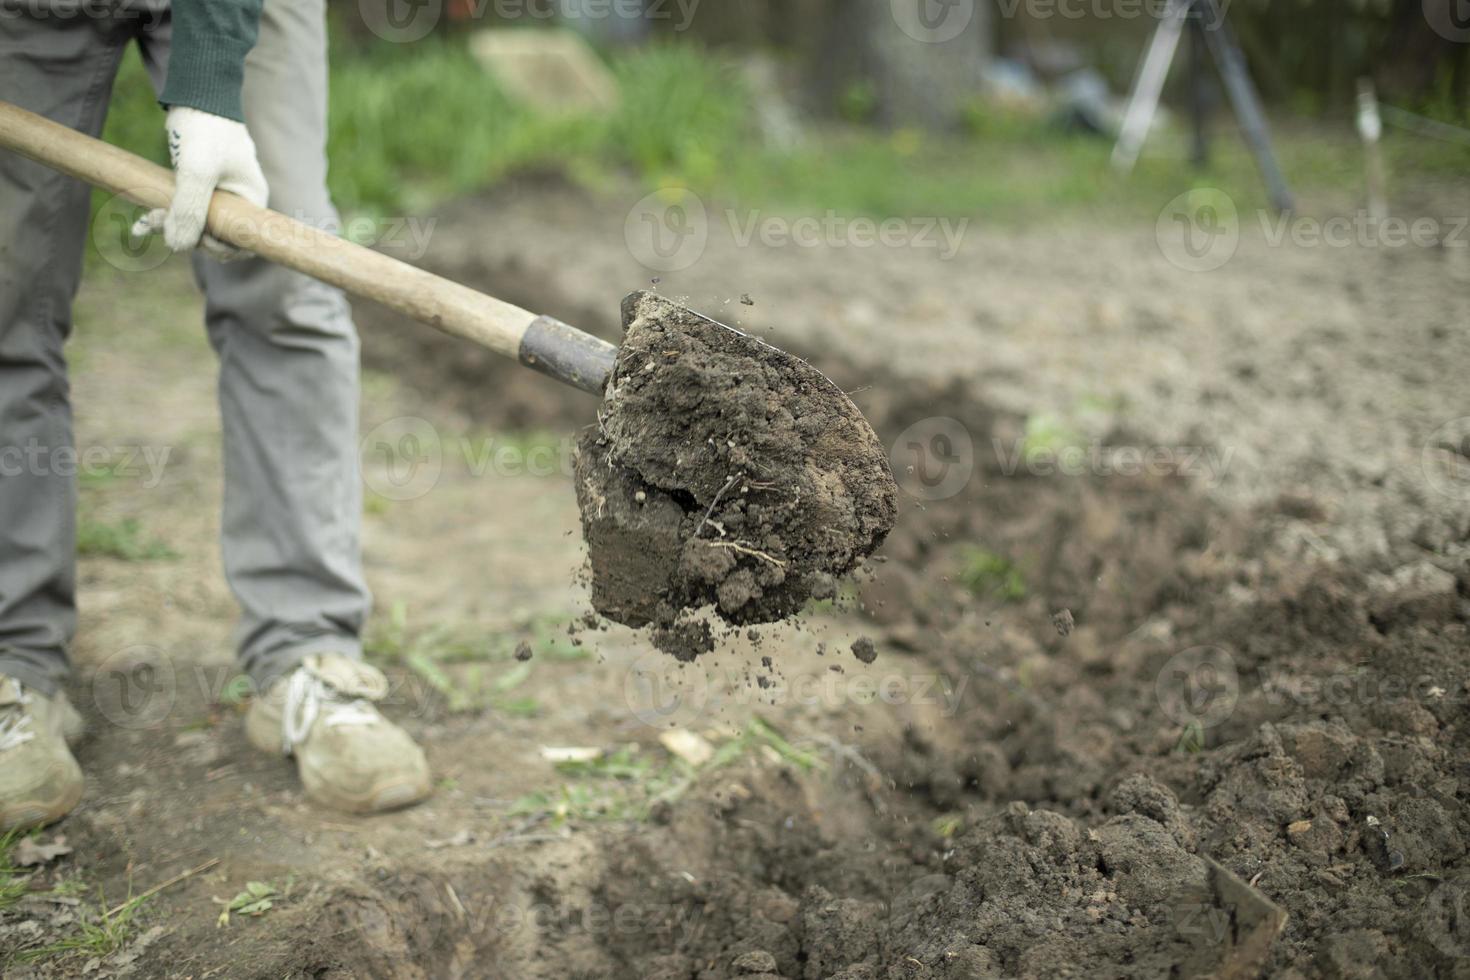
point(539, 342)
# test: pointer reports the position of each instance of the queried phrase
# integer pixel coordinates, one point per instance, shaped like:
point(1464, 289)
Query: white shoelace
point(15, 727)
point(309, 698)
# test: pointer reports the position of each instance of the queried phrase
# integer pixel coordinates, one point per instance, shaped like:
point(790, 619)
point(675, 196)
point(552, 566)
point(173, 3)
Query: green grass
point(620, 785)
point(472, 671)
point(406, 131)
point(123, 540)
point(1047, 436)
point(989, 575)
point(102, 932)
point(258, 898)
point(14, 880)
point(1192, 739)
point(626, 783)
point(412, 126)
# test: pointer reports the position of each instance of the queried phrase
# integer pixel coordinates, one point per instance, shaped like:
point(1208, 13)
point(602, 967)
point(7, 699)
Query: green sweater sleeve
point(206, 62)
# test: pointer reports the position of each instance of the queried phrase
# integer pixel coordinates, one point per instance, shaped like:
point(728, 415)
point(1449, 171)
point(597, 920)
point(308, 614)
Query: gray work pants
point(288, 353)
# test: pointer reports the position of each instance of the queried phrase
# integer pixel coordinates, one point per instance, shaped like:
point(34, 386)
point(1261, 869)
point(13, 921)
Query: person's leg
point(293, 501)
point(288, 384)
point(61, 68)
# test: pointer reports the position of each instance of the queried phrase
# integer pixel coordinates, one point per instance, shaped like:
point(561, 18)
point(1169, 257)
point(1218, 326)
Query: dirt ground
point(1171, 671)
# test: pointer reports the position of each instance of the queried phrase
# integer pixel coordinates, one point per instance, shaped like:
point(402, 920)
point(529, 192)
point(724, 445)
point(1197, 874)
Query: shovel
point(844, 459)
point(539, 342)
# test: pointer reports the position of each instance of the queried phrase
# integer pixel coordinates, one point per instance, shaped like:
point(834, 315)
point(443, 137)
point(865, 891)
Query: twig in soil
point(601, 500)
point(509, 839)
point(851, 754)
point(713, 503)
point(746, 550)
point(459, 909)
point(136, 899)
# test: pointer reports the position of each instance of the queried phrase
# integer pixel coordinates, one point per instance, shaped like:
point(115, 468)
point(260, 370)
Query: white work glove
point(209, 152)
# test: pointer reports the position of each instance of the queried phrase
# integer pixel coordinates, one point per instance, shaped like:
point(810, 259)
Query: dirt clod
point(684, 640)
point(863, 649)
point(760, 482)
point(523, 650)
point(1063, 621)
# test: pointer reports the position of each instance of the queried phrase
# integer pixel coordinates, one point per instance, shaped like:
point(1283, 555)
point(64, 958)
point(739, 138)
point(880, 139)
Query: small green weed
point(258, 898)
point(102, 933)
point(124, 540)
point(14, 880)
point(989, 575)
point(463, 669)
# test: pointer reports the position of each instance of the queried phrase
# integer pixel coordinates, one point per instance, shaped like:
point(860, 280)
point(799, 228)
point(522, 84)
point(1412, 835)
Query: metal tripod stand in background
point(1206, 21)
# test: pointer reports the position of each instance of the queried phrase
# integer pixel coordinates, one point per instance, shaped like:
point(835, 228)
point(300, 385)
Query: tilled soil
point(1245, 756)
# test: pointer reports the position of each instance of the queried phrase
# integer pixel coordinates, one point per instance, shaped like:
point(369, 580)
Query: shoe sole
point(390, 795)
point(30, 814)
point(263, 732)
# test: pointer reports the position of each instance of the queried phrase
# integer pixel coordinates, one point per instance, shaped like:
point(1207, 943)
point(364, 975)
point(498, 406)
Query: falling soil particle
point(722, 473)
point(1063, 621)
point(684, 640)
point(523, 650)
point(863, 649)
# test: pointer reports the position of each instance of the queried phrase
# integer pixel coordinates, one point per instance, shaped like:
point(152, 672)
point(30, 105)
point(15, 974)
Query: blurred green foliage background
point(414, 125)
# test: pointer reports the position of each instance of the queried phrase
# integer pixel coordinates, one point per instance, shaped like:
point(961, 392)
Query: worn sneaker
point(40, 780)
point(350, 757)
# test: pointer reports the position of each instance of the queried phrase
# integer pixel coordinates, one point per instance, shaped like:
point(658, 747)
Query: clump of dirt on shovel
point(722, 473)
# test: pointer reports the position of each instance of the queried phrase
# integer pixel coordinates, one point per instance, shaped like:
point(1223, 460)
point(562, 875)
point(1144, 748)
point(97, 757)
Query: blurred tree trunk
point(922, 59)
point(1425, 38)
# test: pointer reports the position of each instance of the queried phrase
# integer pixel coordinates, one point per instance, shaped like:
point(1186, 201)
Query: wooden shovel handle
point(552, 347)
